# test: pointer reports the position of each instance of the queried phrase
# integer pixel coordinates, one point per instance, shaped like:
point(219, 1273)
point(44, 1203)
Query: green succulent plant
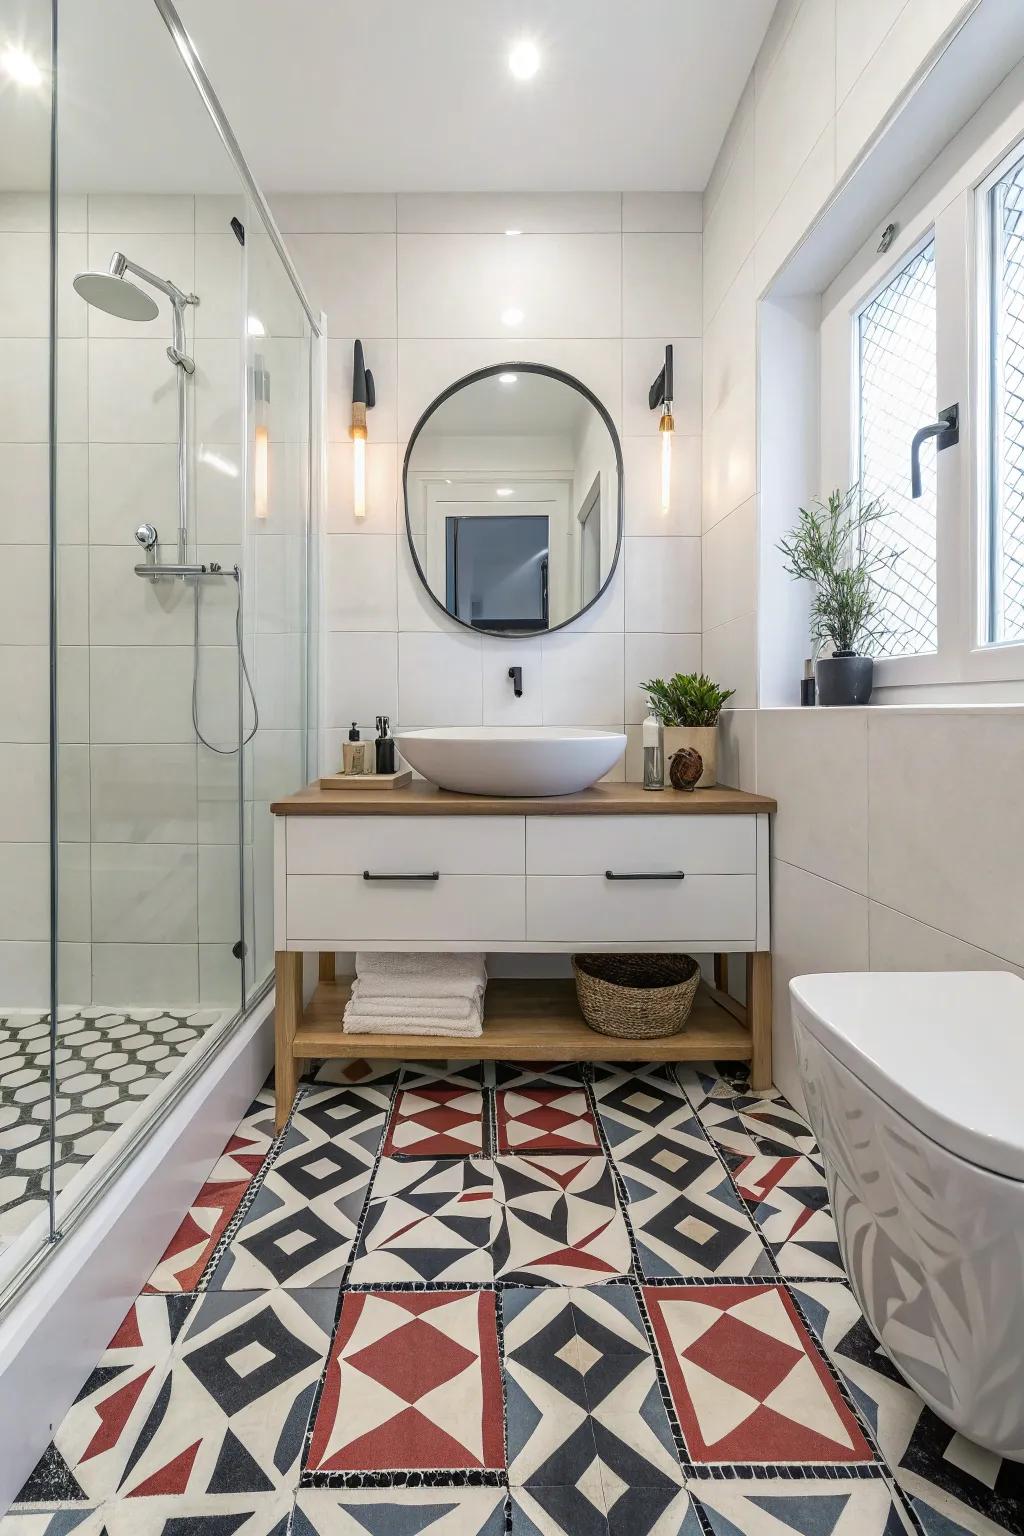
point(689, 698)
point(829, 547)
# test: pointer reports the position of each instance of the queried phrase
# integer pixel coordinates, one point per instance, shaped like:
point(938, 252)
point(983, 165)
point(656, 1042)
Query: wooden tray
point(367, 780)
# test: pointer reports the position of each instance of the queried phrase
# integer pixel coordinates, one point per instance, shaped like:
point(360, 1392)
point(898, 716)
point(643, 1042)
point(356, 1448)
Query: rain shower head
point(117, 295)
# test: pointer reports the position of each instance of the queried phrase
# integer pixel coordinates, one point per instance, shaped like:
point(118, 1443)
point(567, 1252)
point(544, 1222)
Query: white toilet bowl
point(915, 1090)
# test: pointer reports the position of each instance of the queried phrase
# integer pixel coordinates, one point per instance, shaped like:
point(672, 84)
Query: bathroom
point(781, 235)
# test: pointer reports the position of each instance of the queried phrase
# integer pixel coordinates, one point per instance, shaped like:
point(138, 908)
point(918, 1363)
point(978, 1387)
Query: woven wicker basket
point(636, 997)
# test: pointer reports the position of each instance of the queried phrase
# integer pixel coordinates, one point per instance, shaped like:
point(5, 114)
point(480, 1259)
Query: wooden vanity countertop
point(422, 799)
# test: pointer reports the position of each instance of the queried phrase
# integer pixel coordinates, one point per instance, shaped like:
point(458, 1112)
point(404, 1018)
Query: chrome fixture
point(115, 293)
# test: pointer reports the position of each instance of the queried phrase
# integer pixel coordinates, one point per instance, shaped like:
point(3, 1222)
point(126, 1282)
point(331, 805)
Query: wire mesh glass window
point(1005, 605)
point(896, 396)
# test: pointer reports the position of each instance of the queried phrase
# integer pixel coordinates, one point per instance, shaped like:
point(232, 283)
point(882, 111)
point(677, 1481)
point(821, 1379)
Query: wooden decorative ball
point(686, 767)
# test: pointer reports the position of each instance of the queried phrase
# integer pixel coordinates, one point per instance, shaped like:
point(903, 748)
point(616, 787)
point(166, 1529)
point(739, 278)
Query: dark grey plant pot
point(844, 679)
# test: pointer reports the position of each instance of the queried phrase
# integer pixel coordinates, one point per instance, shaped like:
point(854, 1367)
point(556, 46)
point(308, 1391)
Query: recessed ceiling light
point(504, 490)
point(512, 316)
point(254, 326)
point(524, 60)
point(21, 67)
point(508, 378)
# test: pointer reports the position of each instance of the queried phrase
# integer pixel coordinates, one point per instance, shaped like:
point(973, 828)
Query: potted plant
point(828, 547)
point(688, 706)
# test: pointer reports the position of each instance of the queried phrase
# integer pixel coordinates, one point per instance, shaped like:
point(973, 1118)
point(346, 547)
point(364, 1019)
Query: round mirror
point(513, 499)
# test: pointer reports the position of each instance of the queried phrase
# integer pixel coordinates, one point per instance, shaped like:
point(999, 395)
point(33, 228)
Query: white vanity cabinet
point(610, 869)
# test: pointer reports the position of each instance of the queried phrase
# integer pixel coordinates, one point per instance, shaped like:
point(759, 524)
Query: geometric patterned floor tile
point(812, 1507)
point(746, 1123)
point(538, 1074)
point(70, 1520)
point(631, 1101)
point(559, 1511)
point(557, 1221)
point(361, 1070)
point(230, 1413)
point(686, 1216)
point(544, 1118)
point(445, 1120)
point(299, 1230)
point(399, 1512)
point(94, 1440)
point(582, 1395)
point(747, 1383)
point(788, 1199)
point(960, 1482)
point(427, 1221)
point(259, 1515)
point(189, 1250)
point(413, 1382)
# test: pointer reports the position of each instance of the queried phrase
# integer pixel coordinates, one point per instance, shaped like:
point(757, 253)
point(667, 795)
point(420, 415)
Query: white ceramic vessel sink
point(511, 760)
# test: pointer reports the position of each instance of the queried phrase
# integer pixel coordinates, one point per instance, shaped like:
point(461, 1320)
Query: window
point(896, 376)
point(1004, 577)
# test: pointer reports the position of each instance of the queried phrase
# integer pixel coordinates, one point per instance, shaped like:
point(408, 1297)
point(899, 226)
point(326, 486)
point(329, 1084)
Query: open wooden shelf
point(524, 1021)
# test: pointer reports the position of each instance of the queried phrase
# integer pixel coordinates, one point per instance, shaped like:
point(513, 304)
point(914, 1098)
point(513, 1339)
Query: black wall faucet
point(516, 674)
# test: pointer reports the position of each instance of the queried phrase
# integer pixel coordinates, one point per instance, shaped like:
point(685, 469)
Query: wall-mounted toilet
point(915, 1091)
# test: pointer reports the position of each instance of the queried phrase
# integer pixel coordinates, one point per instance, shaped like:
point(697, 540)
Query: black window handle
point(658, 874)
point(431, 875)
point(946, 432)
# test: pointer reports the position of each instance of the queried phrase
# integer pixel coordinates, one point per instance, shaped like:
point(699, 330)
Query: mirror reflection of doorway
point(497, 571)
point(590, 544)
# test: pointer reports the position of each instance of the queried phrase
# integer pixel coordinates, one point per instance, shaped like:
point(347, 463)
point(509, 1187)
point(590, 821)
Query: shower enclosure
point(160, 466)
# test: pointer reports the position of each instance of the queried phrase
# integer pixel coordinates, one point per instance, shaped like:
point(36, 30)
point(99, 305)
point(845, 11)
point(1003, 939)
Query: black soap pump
point(385, 746)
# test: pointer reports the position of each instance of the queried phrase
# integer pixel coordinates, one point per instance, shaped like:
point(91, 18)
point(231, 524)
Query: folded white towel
point(384, 973)
point(459, 1009)
point(360, 1025)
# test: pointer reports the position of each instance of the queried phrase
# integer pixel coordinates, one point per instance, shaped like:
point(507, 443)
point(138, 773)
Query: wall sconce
point(261, 439)
point(364, 398)
point(660, 394)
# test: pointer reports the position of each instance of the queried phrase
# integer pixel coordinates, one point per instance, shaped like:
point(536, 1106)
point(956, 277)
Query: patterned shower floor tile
point(541, 1118)
point(444, 1120)
point(399, 1512)
point(557, 1220)
point(427, 1221)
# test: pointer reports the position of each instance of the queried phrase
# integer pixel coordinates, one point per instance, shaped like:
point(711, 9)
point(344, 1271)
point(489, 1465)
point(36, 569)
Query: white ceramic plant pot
point(703, 739)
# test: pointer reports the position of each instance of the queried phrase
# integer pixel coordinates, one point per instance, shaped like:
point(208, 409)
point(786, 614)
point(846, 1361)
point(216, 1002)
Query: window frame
point(949, 204)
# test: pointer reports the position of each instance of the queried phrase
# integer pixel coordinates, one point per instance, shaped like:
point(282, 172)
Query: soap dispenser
point(653, 740)
point(355, 752)
point(385, 746)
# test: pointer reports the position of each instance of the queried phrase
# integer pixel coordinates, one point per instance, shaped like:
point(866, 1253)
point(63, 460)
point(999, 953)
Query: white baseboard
point(56, 1331)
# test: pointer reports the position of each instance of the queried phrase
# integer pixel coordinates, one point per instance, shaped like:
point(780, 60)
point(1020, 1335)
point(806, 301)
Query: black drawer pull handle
point(661, 874)
point(432, 875)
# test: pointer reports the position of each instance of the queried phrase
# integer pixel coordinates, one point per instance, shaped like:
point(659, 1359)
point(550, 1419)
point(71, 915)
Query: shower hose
point(221, 751)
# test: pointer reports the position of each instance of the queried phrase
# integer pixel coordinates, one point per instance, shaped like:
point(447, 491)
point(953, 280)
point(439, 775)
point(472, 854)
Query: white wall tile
point(361, 678)
point(642, 361)
point(333, 213)
point(144, 893)
point(219, 976)
point(131, 483)
point(439, 680)
point(798, 208)
point(219, 919)
point(24, 594)
point(73, 594)
point(814, 762)
point(607, 612)
point(641, 458)
point(278, 675)
point(816, 926)
point(729, 566)
point(795, 101)
point(73, 418)
point(143, 793)
point(24, 470)
point(959, 873)
point(650, 656)
point(730, 658)
point(462, 285)
point(215, 210)
point(900, 943)
point(25, 285)
point(737, 748)
point(141, 694)
point(662, 585)
point(132, 392)
point(141, 213)
point(24, 692)
point(383, 490)
point(859, 31)
point(276, 604)
point(729, 453)
point(24, 806)
point(729, 226)
point(145, 975)
point(661, 212)
point(501, 707)
point(123, 610)
point(360, 582)
point(220, 285)
point(417, 610)
point(531, 213)
point(352, 277)
point(661, 285)
point(24, 390)
point(730, 340)
point(217, 392)
point(583, 679)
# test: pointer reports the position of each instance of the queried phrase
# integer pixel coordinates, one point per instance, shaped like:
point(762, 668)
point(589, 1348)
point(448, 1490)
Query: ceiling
point(396, 95)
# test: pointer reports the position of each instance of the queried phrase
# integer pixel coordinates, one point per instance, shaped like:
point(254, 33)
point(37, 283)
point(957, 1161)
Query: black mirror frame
point(446, 394)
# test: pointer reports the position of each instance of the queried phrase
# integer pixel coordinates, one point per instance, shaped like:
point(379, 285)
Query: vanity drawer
point(589, 845)
point(591, 909)
point(454, 845)
point(346, 909)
